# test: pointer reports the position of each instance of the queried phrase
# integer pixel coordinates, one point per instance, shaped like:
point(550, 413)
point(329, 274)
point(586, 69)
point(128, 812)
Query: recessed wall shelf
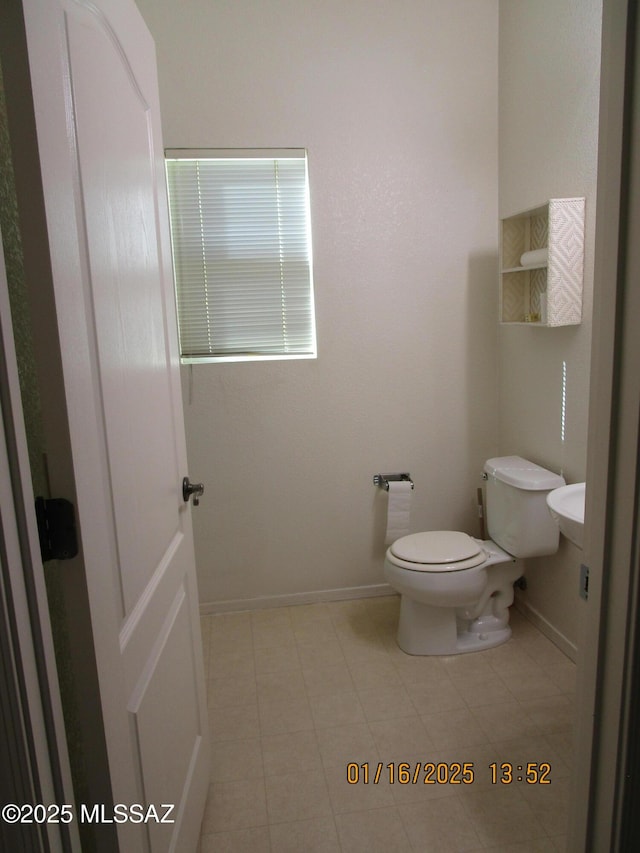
point(547, 292)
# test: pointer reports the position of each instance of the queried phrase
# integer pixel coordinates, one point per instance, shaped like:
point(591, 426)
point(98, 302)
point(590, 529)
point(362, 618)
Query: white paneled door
point(97, 125)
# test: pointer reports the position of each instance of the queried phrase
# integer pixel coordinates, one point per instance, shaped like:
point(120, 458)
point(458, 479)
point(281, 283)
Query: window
point(241, 240)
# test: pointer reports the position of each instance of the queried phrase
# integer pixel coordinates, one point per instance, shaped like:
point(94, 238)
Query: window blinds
point(242, 256)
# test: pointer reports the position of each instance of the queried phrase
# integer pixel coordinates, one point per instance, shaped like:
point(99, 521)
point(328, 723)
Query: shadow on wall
point(482, 384)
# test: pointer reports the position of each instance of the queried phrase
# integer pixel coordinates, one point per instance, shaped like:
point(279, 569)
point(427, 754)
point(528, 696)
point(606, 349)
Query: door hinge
point(56, 529)
point(584, 581)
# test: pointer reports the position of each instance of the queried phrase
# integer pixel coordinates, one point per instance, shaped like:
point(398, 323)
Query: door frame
point(605, 685)
point(33, 691)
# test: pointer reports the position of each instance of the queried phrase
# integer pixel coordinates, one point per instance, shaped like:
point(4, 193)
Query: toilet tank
point(518, 518)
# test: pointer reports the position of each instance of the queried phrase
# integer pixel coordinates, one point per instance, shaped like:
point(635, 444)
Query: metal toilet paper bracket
point(382, 480)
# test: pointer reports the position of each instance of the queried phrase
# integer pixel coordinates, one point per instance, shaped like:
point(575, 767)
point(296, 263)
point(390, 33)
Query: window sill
point(222, 359)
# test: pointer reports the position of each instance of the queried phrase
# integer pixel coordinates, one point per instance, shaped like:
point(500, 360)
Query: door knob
point(194, 490)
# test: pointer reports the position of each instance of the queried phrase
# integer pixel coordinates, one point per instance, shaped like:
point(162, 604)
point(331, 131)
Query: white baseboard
point(266, 601)
point(546, 628)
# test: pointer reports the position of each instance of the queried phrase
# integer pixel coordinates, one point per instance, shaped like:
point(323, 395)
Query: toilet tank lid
point(519, 472)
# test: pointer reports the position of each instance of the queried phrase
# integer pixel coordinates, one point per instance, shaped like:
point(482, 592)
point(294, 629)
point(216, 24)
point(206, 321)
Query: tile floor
point(297, 693)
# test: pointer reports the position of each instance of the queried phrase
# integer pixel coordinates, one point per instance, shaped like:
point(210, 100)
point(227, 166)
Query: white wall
point(396, 102)
point(549, 88)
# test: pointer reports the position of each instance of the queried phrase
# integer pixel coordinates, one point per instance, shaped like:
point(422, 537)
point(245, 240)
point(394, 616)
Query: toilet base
point(426, 630)
point(476, 641)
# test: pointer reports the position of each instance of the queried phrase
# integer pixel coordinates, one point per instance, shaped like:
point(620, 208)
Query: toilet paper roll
point(398, 511)
point(535, 257)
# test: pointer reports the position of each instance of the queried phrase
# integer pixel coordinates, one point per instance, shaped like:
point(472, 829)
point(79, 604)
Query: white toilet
point(456, 590)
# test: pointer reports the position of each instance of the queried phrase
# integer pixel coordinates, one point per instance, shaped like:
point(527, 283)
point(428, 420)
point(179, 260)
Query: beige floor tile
point(239, 690)
point(205, 661)
point(270, 616)
point(314, 632)
point(414, 669)
point(363, 794)
point(321, 653)
point(454, 728)
point(364, 649)
point(502, 816)
point(386, 703)
point(317, 835)
point(337, 709)
point(270, 636)
point(419, 793)
point(436, 697)
point(382, 605)
point(531, 685)
point(229, 631)
point(374, 674)
point(270, 624)
point(562, 746)
point(564, 675)
point(537, 845)
point(296, 694)
point(231, 664)
point(205, 630)
point(539, 750)
point(294, 752)
point(510, 657)
point(307, 614)
point(387, 627)
point(550, 804)
point(281, 686)
point(297, 796)
point(288, 715)
point(325, 680)
point(276, 659)
point(234, 722)
point(236, 759)
point(390, 642)
point(543, 651)
point(551, 713)
point(499, 831)
point(483, 690)
point(439, 826)
point(350, 608)
point(238, 642)
point(235, 805)
point(505, 721)
point(230, 624)
point(472, 665)
point(342, 745)
point(403, 739)
point(519, 621)
point(416, 781)
point(255, 840)
point(480, 757)
point(373, 831)
point(355, 618)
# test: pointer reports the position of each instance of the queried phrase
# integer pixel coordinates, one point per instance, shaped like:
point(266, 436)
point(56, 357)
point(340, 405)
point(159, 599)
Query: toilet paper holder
point(382, 480)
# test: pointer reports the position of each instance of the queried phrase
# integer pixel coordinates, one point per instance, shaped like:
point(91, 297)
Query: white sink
point(567, 507)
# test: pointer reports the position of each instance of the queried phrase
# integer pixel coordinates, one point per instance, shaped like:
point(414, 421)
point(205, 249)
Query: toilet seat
point(437, 551)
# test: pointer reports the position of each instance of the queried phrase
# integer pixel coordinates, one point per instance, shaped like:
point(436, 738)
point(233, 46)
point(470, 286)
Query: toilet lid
point(439, 550)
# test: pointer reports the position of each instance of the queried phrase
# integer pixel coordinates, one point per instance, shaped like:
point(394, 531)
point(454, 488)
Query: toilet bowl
point(456, 590)
point(474, 578)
